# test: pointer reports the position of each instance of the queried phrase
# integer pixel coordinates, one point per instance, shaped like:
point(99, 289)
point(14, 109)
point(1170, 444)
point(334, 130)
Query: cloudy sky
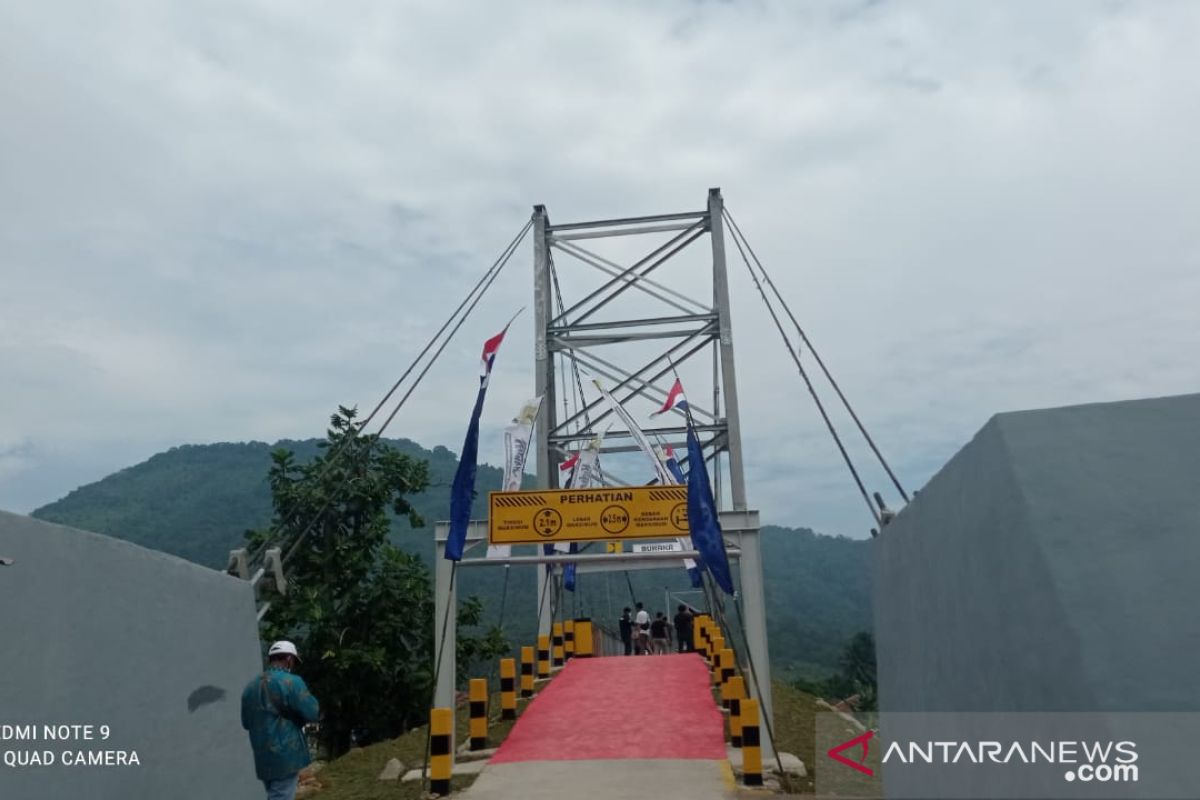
point(221, 219)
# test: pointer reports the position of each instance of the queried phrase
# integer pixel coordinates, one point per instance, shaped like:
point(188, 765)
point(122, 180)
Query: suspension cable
point(504, 595)
point(512, 249)
point(569, 356)
point(333, 455)
point(811, 390)
point(804, 337)
point(577, 398)
point(494, 273)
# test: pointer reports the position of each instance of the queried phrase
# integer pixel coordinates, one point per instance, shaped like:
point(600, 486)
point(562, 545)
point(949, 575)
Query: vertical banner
point(517, 437)
point(516, 444)
point(643, 443)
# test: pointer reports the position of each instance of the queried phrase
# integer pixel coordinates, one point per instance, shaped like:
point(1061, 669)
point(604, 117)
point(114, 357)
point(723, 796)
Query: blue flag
point(674, 468)
point(569, 571)
point(702, 517)
point(694, 571)
point(568, 467)
point(462, 491)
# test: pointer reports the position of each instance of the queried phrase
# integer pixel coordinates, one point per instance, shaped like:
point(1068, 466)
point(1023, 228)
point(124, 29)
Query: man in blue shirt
point(275, 707)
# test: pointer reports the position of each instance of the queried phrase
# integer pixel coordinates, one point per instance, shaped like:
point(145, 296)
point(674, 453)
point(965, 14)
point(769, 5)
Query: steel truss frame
point(690, 330)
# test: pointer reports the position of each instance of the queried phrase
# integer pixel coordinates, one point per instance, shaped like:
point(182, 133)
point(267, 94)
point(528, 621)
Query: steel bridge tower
point(572, 336)
point(572, 333)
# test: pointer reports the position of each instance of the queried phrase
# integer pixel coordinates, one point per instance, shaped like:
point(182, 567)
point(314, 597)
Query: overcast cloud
point(219, 220)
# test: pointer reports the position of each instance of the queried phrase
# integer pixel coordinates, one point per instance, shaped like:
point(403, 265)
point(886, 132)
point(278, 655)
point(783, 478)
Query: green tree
point(361, 609)
point(856, 675)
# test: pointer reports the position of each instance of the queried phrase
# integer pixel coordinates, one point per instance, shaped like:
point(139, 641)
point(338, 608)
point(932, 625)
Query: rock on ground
point(392, 770)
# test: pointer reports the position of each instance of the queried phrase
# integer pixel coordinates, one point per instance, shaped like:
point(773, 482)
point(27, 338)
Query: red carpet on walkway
point(621, 707)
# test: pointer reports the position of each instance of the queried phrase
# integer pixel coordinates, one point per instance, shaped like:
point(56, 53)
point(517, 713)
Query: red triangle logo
point(862, 741)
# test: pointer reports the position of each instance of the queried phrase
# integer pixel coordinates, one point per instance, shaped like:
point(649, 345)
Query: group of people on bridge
point(644, 636)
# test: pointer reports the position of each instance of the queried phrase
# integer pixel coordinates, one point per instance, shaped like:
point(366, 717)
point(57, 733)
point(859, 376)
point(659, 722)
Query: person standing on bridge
point(275, 707)
point(626, 624)
point(642, 631)
point(683, 629)
point(660, 635)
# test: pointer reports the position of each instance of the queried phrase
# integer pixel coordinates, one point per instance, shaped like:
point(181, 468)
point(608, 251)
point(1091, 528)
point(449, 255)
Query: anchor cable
point(820, 362)
point(811, 390)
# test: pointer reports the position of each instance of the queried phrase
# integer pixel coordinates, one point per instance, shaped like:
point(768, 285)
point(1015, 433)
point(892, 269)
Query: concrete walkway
point(661, 779)
point(620, 727)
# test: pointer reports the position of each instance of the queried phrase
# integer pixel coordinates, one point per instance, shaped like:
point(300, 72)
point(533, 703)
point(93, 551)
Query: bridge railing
point(607, 640)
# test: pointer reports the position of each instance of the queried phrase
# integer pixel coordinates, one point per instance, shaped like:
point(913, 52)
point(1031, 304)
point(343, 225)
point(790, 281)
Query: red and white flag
point(675, 399)
point(490, 348)
point(566, 468)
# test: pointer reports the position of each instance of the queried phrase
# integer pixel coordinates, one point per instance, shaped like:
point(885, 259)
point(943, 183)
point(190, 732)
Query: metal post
point(737, 481)
point(543, 368)
point(445, 624)
point(718, 495)
point(754, 607)
point(750, 566)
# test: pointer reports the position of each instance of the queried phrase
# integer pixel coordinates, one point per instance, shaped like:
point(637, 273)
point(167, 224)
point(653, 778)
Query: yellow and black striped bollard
point(733, 695)
point(698, 635)
point(543, 663)
point(441, 750)
point(718, 645)
point(479, 720)
point(508, 688)
point(584, 644)
point(569, 639)
point(526, 672)
point(726, 663)
point(751, 745)
point(558, 645)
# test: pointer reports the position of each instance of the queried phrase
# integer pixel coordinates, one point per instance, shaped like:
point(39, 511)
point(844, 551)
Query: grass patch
point(355, 776)
point(796, 732)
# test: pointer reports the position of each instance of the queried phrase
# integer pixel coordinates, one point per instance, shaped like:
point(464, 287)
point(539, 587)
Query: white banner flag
point(587, 471)
point(664, 477)
point(516, 450)
point(656, 457)
point(516, 444)
point(585, 475)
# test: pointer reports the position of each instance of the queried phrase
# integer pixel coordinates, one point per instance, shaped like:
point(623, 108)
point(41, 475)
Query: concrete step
point(465, 754)
point(460, 768)
point(791, 764)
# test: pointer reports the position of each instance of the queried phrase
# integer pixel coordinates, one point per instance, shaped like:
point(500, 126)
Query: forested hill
point(196, 501)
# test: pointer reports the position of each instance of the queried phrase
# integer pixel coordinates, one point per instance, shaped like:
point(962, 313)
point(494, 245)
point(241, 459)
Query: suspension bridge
point(615, 319)
point(1045, 525)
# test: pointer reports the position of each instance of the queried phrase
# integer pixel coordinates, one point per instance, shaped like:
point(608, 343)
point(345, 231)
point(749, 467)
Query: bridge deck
point(619, 728)
point(655, 707)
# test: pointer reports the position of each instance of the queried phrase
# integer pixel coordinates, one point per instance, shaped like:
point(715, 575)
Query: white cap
point(283, 648)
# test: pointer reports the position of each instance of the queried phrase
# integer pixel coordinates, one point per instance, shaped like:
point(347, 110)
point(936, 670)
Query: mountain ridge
point(197, 500)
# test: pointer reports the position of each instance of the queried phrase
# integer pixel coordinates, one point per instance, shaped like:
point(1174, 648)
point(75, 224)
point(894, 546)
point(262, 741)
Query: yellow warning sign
point(614, 547)
point(581, 515)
